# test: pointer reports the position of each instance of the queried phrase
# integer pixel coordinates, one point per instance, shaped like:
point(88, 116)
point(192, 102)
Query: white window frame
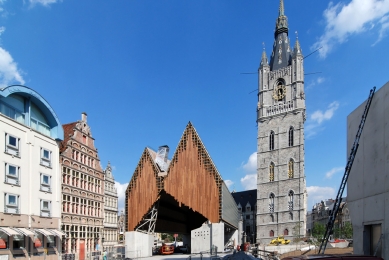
point(45, 212)
point(44, 160)
point(45, 186)
point(10, 148)
point(10, 178)
point(11, 208)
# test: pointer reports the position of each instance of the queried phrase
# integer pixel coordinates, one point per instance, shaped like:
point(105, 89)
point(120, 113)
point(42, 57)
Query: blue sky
point(143, 69)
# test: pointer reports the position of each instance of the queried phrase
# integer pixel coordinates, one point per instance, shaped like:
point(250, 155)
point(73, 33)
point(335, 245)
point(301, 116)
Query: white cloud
point(317, 194)
point(313, 83)
point(121, 189)
point(355, 17)
point(9, 72)
point(384, 28)
point(43, 2)
point(228, 183)
point(320, 80)
point(331, 172)
point(249, 182)
point(1, 3)
point(319, 116)
point(251, 165)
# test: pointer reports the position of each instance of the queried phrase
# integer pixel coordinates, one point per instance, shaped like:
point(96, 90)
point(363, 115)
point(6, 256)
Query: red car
point(166, 249)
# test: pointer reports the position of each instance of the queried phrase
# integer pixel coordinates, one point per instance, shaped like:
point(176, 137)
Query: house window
point(247, 216)
point(290, 202)
point(18, 242)
point(271, 202)
point(45, 157)
point(4, 240)
point(45, 182)
point(11, 112)
point(11, 203)
point(271, 233)
point(271, 172)
point(12, 145)
point(291, 169)
point(38, 240)
point(12, 173)
point(51, 241)
point(248, 230)
point(45, 208)
point(248, 208)
point(286, 232)
point(271, 141)
point(290, 136)
point(40, 126)
point(239, 209)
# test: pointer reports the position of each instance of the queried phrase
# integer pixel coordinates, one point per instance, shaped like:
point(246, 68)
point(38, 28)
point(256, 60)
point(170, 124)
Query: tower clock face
point(279, 92)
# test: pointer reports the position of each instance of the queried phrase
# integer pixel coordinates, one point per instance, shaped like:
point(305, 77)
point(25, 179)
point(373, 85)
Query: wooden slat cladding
point(142, 191)
point(193, 179)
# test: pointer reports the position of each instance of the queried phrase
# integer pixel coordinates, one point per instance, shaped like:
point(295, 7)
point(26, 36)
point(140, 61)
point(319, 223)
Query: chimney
point(161, 158)
point(83, 116)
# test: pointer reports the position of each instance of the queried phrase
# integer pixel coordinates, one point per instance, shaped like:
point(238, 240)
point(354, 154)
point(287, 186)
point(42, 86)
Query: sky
point(142, 70)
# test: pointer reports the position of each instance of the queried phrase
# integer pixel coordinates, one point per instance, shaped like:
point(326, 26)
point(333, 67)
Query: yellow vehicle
point(280, 240)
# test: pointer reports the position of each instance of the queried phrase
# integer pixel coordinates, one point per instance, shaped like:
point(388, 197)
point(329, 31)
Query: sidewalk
point(176, 256)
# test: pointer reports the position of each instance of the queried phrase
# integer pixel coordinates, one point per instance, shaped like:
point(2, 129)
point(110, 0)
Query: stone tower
point(281, 205)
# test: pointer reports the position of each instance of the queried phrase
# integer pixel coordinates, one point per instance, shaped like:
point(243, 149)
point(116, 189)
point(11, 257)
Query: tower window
point(271, 141)
point(286, 232)
point(290, 136)
point(271, 172)
point(271, 202)
point(271, 234)
point(290, 202)
point(291, 169)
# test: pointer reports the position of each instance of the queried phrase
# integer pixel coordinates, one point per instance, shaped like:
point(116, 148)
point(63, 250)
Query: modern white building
point(368, 183)
point(30, 180)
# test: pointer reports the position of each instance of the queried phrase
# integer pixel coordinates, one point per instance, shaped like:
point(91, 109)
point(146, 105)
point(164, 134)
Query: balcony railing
point(279, 108)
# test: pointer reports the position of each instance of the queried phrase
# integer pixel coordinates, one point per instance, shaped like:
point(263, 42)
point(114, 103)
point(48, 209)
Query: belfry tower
point(282, 197)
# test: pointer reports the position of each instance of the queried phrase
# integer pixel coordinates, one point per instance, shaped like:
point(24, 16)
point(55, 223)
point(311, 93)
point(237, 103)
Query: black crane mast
point(338, 200)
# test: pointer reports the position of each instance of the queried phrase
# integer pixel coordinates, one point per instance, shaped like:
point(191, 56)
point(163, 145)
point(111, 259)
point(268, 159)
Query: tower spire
point(264, 56)
point(297, 47)
point(281, 54)
point(281, 10)
point(282, 20)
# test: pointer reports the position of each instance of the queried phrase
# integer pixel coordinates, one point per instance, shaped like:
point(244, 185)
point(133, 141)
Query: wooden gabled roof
point(191, 179)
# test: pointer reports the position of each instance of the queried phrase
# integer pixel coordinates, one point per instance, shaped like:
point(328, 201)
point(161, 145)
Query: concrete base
point(138, 244)
point(281, 249)
point(206, 236)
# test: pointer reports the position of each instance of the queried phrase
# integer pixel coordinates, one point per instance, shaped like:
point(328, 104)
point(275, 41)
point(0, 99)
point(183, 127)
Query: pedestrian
point(105, 255)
